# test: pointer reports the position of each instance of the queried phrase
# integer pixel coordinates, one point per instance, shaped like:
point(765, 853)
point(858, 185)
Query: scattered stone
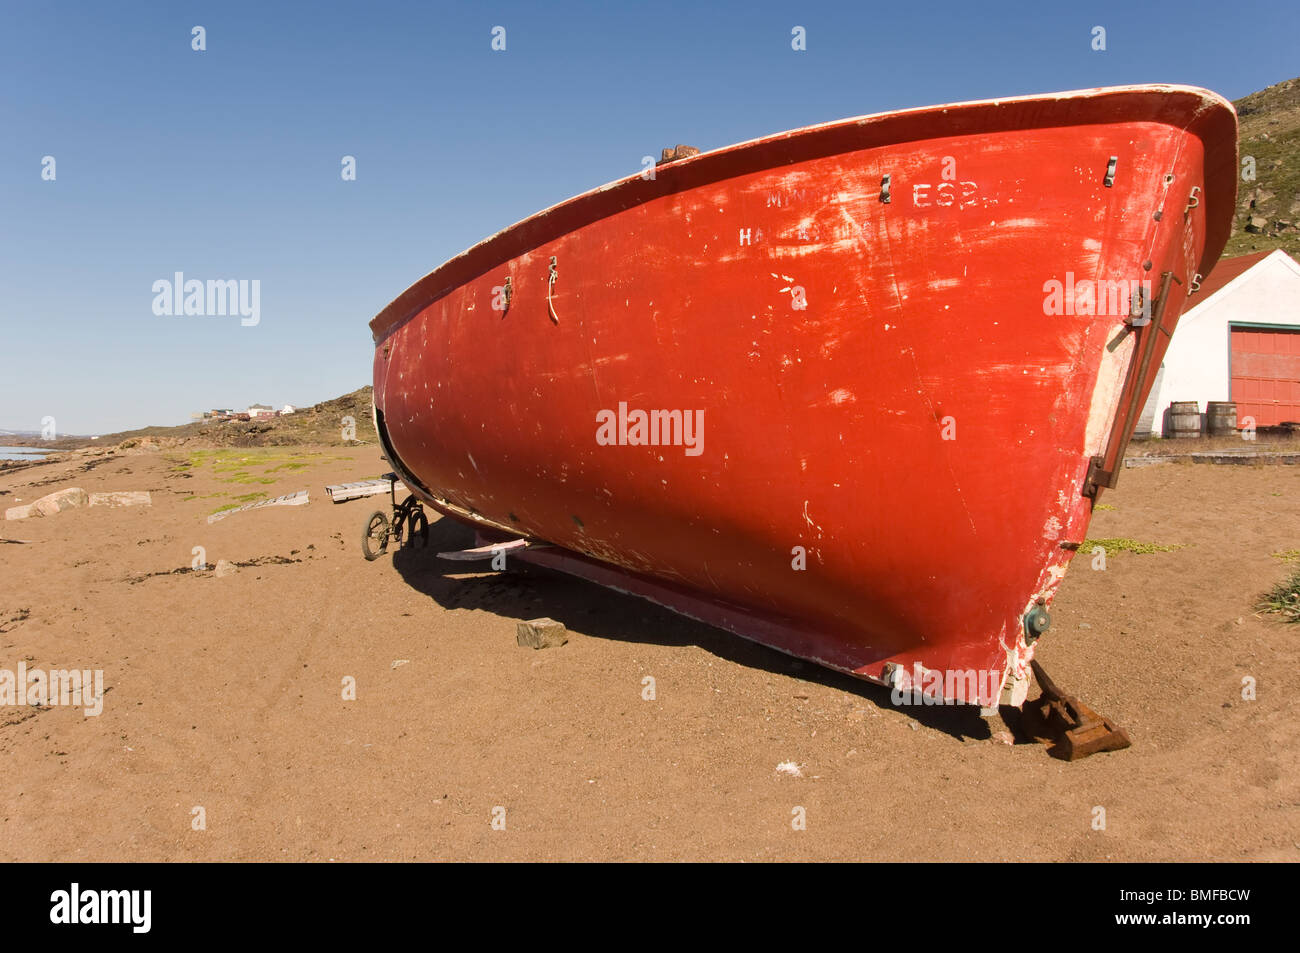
point(55, 502)
point(61, 500)
point(226, 568)
point(540, 634)
point(122, 498)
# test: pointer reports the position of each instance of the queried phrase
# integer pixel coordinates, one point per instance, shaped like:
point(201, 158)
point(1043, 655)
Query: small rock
point(398, 662)
point(540, 634)
point(789, 768)
point(226, 568)
point(1256, 224)
point(1003, 738)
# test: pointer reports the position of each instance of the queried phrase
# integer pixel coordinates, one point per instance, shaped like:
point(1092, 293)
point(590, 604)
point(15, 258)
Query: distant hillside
point(1268, 209)
point(318, 424)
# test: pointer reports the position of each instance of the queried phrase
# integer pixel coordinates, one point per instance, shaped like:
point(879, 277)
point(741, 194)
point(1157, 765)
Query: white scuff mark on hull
point(808, 518)
point(1106, 392)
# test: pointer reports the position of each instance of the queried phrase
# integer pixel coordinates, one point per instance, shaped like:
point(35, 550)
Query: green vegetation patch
point(1120, 545)
point(245, 464)
point(1283, 599)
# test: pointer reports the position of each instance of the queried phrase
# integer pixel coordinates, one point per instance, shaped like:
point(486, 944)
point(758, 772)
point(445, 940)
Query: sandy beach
point(226, 694)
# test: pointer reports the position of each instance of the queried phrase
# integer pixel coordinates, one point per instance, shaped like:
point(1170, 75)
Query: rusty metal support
point(1072, 729)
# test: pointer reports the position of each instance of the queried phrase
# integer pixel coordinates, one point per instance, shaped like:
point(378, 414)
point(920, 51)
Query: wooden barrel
point(1221, 418)
point(1184, 419)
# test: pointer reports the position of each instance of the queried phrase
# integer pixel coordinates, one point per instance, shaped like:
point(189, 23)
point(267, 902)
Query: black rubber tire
point(417, 527)
point(377, 529)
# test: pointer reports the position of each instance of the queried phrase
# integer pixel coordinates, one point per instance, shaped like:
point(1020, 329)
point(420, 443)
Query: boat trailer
point(407, 524)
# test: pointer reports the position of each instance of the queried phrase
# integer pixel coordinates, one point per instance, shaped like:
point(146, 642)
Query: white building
point(287, 409)
point(1240, 342)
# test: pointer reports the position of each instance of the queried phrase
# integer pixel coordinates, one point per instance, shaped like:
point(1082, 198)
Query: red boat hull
point(894, 423)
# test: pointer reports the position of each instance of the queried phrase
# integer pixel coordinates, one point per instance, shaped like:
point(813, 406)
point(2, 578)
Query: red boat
point(850, 391)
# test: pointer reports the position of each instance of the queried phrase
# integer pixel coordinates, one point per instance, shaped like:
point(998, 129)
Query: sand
point(226, 694)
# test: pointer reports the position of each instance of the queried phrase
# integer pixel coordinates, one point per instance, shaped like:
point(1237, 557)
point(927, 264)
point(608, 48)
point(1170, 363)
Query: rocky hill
point(321, 423)
point(1268, 208)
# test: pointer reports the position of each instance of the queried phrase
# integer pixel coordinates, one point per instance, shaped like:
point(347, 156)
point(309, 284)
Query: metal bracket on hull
point(1072, 729)
point(1103, 469)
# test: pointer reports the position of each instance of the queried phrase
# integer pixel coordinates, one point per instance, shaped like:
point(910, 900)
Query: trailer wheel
point(375, 538)
point(418, 523)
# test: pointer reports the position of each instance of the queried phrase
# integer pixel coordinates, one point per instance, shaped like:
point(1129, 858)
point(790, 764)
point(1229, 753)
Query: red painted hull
point(920, 430)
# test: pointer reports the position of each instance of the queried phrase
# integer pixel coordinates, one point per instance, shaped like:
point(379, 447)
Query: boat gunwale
point(1177, 105)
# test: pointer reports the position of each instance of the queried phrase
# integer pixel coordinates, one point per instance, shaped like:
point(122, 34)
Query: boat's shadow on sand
point(528, 592)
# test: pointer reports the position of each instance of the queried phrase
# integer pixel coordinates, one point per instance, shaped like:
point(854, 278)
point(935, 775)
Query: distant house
point(260, 410)
point(1240, 342)
point(287, 409)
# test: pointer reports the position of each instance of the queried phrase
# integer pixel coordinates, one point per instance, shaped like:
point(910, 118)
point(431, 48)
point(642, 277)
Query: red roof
point(1227, 269)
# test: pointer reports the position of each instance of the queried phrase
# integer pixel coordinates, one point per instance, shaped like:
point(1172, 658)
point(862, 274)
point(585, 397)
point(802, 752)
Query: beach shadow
point(525, 591)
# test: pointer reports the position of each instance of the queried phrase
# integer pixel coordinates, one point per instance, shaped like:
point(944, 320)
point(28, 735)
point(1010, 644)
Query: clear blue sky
point(226, 163)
